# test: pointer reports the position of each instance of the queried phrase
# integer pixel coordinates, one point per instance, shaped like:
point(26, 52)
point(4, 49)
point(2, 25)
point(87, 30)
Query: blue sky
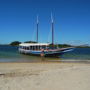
point(71, 20)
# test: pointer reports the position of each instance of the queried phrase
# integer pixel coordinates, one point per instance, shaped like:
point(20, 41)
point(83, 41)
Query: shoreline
point(51, 61)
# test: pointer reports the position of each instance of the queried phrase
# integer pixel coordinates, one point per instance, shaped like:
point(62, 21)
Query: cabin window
point(27, 48)
point(32, 48)
point(19, 46)
point(43, 47)
point(22, 47)
point(38, 47)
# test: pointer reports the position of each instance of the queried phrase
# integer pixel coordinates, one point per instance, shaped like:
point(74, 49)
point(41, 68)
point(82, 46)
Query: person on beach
point(42, 52)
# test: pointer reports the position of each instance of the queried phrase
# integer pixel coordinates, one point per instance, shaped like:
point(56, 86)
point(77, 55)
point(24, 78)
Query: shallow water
point(11, 54)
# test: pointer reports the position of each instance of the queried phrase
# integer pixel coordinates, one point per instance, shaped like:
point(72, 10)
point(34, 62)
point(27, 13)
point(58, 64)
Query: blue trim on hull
point(46, 54)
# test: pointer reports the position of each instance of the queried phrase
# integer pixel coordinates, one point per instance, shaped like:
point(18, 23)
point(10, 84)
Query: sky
point(71, 21)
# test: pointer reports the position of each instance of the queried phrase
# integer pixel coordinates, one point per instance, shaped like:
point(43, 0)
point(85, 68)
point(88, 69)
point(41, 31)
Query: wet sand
point(44, 76)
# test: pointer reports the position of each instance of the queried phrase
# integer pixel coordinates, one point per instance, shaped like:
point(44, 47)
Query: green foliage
point(61, 45)
point(64, 45)
point(30, 42)
point(15, 43)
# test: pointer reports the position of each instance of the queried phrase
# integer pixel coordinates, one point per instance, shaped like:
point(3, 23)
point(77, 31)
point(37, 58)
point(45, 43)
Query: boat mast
point(52, 27)
point(37, 30)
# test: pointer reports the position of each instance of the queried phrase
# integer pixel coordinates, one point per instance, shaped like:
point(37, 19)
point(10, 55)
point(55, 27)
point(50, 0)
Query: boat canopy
point(34, 44)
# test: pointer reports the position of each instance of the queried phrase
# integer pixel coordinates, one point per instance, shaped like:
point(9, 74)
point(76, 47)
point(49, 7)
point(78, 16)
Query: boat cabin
point(33, 46)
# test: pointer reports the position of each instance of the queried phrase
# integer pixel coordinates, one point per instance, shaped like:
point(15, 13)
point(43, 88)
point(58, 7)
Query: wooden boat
point(42, 49)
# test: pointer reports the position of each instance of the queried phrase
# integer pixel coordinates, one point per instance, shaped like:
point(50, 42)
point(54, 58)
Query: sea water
point(11, 54)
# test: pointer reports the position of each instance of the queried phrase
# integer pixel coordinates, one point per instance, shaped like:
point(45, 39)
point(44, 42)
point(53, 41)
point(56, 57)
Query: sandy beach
point(44, 76)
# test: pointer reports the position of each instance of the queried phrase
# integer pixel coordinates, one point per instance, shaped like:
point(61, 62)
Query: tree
point(30, 42)
point(15, 43)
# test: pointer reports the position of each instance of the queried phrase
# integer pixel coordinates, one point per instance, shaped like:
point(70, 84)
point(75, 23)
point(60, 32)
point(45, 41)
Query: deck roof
point(34, 44)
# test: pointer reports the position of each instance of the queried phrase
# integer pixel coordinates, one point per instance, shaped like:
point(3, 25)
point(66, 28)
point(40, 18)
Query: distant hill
point(15, 43)
point(83, 46)
point(64, 45)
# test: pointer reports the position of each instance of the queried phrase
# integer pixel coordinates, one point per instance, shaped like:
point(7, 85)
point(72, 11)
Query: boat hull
point(49, 53)
point(45, 55)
